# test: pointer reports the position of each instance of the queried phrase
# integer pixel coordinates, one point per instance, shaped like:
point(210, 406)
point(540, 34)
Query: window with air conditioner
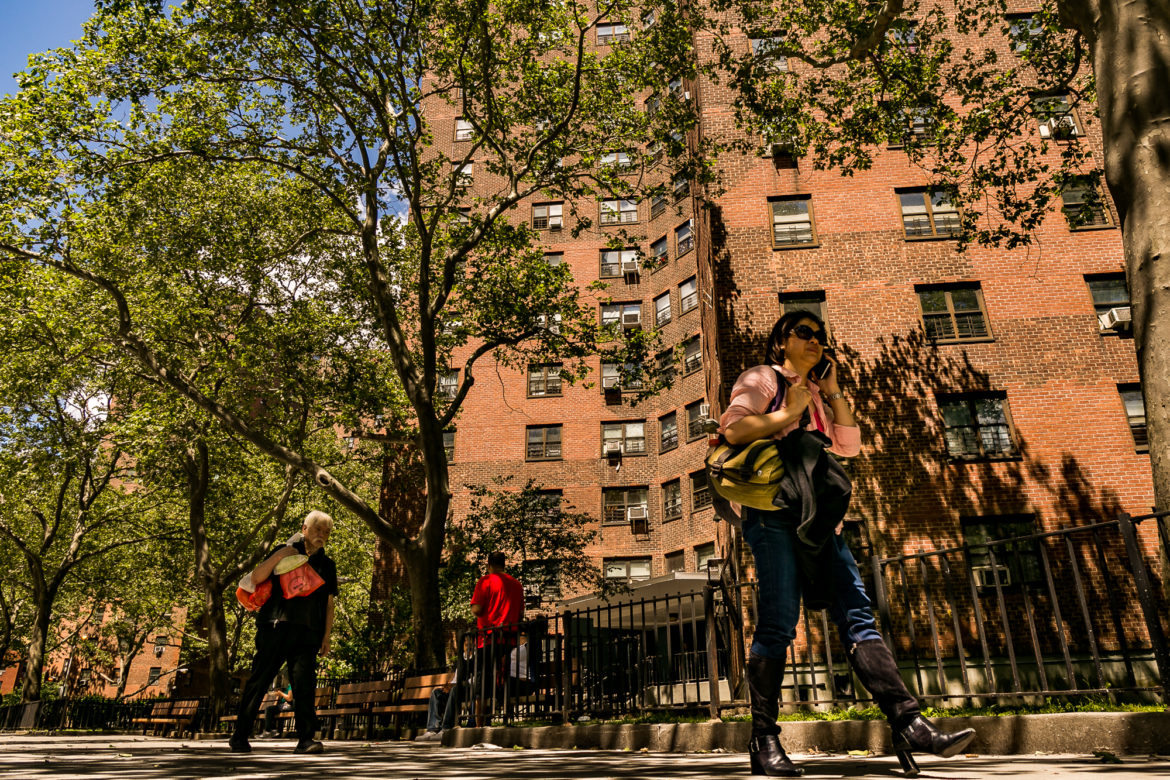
point(695, 420)
point(630, 436)
point(619, 315)
point(615, 262)
point(618, 500)
point(615, 376)
point(1110, 294)
point(1056, 117)
point(547, 216)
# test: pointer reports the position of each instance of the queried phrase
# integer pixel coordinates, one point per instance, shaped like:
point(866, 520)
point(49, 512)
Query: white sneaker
point(427, 736)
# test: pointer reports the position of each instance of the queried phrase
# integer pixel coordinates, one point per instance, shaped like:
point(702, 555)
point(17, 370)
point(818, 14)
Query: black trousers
point(284, 643)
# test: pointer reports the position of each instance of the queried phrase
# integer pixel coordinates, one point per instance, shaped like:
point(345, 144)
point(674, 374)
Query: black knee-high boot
point(764, 678)
point(878, 672)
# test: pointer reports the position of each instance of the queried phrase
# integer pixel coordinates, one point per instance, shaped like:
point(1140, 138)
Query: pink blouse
point(753, 393)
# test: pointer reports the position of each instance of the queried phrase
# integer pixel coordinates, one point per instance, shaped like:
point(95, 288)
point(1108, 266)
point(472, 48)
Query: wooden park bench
point(167, 714)
point(416, 692)
point(160, 710)
point(358, 700)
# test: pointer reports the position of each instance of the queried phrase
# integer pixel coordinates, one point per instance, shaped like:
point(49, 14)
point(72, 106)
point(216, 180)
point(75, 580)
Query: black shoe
point(239, 745)
point(769, 759)
point(922, 736)
point(309, 746)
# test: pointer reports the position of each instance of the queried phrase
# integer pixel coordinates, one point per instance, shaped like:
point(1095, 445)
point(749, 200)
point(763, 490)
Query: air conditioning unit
point(687, 95)
point(1058, 127)
point(986, 576)
point(1118, 318)
point(704, 410)
point(630, 266)
point(631, 320)
point(554, 223)
point(612, 449)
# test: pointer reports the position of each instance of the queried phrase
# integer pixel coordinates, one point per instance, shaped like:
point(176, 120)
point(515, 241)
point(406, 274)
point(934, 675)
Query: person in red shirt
point(497, 603)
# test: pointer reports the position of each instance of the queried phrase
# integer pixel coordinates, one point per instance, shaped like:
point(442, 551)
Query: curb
point(1127, 733)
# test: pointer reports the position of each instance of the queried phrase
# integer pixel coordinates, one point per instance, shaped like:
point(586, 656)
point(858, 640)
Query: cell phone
point(822, 369)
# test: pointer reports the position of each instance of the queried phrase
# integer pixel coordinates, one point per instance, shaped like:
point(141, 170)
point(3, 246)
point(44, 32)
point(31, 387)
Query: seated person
point(273, 725)
point(448, 698)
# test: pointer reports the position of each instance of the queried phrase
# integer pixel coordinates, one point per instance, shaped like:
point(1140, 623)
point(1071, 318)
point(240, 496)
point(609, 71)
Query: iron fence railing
point(78, 714)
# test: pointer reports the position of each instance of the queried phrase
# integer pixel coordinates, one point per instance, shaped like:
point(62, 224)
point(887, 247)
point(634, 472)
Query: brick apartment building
point(993, 395)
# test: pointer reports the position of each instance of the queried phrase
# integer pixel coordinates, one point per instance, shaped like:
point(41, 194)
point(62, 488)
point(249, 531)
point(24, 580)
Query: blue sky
point(28, 26)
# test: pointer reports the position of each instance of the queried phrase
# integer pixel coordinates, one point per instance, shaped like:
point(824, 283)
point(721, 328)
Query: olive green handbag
point(748, 474)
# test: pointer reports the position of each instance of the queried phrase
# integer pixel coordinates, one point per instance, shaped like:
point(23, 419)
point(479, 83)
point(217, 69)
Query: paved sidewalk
point(147, 758)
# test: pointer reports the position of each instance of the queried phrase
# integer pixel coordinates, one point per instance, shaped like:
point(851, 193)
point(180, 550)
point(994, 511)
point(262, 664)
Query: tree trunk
point(426, 608)
point(1131, 59)
point(35, 667)
point(217, 653)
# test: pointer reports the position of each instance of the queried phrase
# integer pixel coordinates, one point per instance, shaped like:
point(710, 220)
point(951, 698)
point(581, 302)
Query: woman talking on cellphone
point(798, 388)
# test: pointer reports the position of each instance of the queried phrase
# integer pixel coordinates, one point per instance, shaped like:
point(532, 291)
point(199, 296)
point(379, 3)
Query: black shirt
point(308, 611)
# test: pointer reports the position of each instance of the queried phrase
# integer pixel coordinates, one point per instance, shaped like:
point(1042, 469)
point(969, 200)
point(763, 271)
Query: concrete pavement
point(148, 758)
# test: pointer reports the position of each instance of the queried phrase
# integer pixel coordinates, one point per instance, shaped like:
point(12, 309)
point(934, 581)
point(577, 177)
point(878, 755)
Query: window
point(1109, 292)
point(657, 206)
point(977, 425)
point(1021, 30)
point(692, 356)
point(649, 19)
point(675, 561)
point(544, 379)
point(675, 88)
point(448, 385)
point(630, 436)
point(153, 675)
point(624, 315)
point(1135, 411)
point(700, 492)
point(617, 262)
point(462, 130)
point(694, 421)
point(83, 678)
point(548, 216)
point(679, 186)
point(619, 212)
point(465, 175)
point(765, 50)
point(653, 103)
point(659, 252)
point(551, 324)
point(928, 214)
point(684, 240)
point(449, 445)
point(792, 222)
point(544, 442)
point(1056, 117)
point(619, 500)
point(812, 301)
point(909, 124)
point(463, 216)
point(1083, 207)
point(672, 500)
point(662, 309)
point(703, 553)
point(542, 582)
point(953, 313)
point(665, 365)
point(668, 432)
point(554, 259)
point(653, 153)
point(616, 159)
point(617, 375)
point(612, 32)
point(905, 36)
point(688, 295)
point(1017, 560)
point(627, 569)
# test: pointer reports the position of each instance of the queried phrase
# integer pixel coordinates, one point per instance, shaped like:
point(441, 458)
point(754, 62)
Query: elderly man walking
point(293, 630)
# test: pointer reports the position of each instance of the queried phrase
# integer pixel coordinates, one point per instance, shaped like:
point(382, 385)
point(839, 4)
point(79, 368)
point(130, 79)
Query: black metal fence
point(80, 714)
point(1079, 611)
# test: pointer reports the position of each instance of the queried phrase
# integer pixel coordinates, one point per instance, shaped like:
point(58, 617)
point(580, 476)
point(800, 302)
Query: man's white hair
point(317, 517)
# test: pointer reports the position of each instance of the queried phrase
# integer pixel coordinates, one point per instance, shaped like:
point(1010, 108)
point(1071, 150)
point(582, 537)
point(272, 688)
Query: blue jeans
point(772, 537)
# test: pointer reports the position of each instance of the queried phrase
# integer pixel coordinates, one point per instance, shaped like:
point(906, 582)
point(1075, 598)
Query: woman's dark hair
point(774, 354)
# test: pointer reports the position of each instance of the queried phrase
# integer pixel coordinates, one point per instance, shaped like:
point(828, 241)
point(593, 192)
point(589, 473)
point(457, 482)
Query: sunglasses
point(805, 332)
